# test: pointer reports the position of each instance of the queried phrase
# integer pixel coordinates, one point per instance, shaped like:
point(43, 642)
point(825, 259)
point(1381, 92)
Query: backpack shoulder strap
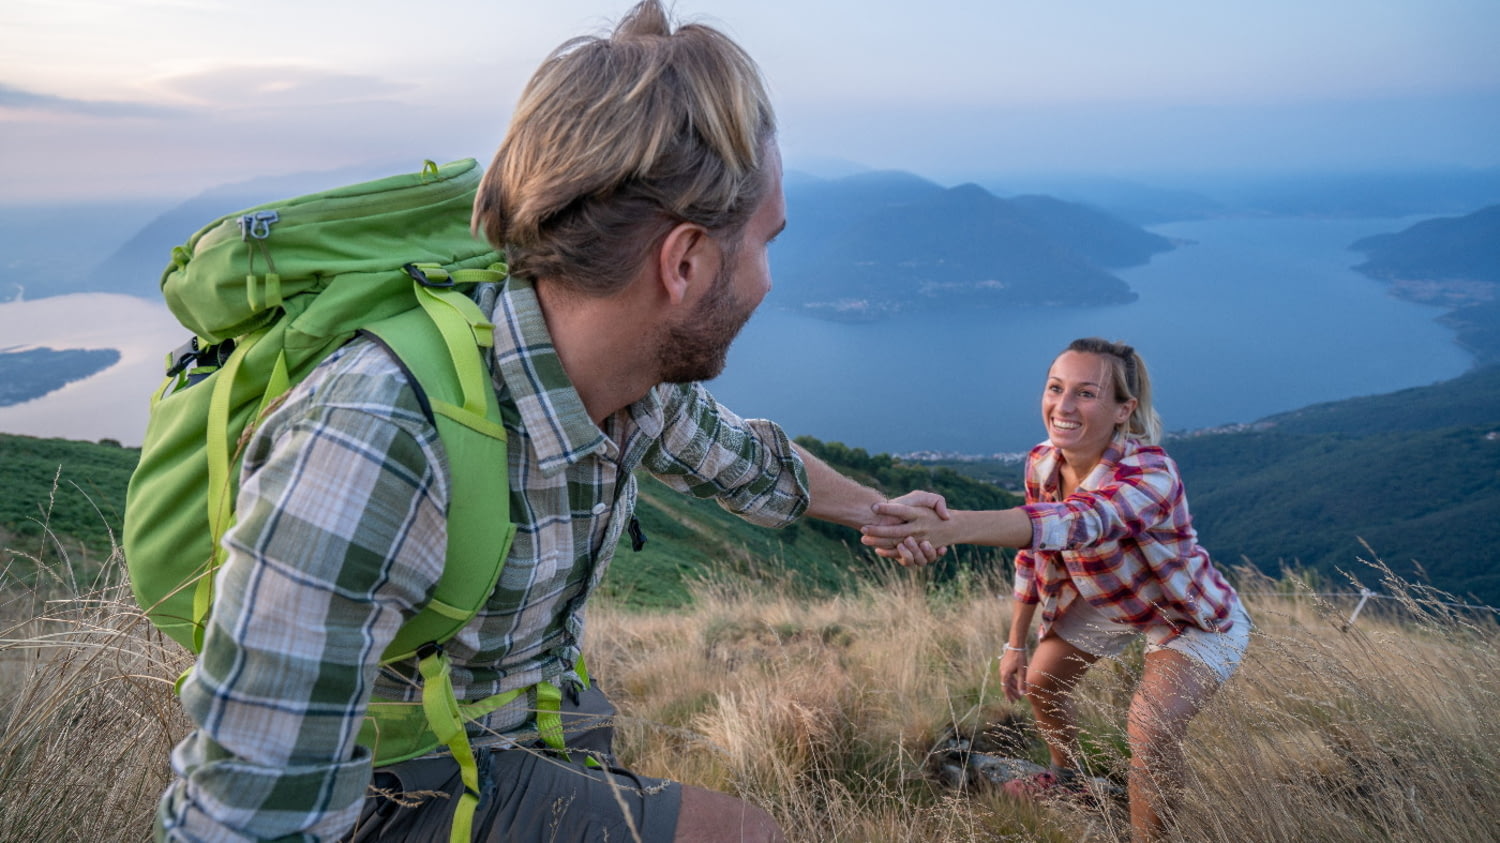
point(441, 345)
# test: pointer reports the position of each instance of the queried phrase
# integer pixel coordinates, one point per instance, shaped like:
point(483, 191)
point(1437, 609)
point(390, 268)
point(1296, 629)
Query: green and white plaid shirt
point(341, 534)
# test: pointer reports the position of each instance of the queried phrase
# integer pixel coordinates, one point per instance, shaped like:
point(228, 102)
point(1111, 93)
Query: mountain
point(53, 249)
point(875, 244)
point(1413, 473)
point(135, 268)
point(1130, 201)
point(1453, 249)
point(1170, 197)
point(1449, 261)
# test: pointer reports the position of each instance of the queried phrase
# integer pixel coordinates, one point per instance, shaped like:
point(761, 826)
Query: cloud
point(13, 98)
point(280, 86)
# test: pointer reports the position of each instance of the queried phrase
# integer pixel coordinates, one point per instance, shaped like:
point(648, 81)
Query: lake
point(1257, 317)
point(112, 403)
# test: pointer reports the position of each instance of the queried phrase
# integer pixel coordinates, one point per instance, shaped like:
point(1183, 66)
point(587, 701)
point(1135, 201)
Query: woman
point(1108, 553)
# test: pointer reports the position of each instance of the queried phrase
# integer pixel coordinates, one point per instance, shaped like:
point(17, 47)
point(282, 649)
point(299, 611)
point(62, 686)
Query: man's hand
point(890, 532)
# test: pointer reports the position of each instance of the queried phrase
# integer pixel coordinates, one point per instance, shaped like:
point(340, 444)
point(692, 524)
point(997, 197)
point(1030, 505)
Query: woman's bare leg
point(1055, 668)
point(1172, 690)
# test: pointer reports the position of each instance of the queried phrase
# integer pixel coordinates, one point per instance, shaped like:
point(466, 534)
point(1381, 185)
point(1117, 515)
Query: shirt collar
point(1050, 463)
point(1118, 447)
point(526, 364)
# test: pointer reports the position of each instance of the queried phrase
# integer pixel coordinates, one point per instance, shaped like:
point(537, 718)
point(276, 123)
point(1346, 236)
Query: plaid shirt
point(1123, 541)
point(340, 535)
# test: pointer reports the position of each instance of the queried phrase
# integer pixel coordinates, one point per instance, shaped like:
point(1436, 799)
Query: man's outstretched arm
point(842, 500)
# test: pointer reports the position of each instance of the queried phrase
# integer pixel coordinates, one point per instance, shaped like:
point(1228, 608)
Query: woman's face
point(1079, 406)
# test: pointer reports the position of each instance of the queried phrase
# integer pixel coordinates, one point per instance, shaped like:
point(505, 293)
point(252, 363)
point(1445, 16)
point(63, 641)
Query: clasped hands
point(903, 528)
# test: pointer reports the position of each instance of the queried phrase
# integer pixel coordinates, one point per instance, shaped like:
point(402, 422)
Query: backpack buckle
point(190, 354)
point(420, 277)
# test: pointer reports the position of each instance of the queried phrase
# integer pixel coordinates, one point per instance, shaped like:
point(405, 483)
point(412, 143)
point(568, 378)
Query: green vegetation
point(1412, 477)
point(1423, 501)
point(1472, 398)
point(76, 492)
point(1414, 474)
point(894, 477)
point(61, 498)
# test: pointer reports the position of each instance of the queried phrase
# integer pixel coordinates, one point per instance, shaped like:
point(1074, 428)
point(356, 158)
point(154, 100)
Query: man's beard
point(698, 349)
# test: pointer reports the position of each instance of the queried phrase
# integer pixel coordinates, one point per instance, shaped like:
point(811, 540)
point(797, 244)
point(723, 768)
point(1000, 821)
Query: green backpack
point(267, 294)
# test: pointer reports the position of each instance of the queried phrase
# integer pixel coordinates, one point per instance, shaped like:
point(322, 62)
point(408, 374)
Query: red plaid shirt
point(1124, 541)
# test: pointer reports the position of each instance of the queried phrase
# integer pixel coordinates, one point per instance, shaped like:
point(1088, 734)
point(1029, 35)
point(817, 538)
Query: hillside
point(60, 497)
point(1448, 249)
point(68, 495)
point(1450, 261)
point(1415, 474)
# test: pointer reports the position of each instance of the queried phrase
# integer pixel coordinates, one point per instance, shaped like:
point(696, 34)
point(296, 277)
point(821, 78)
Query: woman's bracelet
point(1011, 649)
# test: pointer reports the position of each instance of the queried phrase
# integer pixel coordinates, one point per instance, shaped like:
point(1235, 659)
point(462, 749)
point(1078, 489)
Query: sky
point(147, 98)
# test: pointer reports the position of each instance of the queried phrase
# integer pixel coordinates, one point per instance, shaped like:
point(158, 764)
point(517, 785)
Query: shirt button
point(601, 508)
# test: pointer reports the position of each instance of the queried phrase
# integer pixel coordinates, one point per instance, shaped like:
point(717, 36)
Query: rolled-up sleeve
point(1135, 498)
point(340, 534)
point(707, 451)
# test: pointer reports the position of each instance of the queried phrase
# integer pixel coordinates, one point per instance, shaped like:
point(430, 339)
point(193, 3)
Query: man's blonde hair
point(617, 140)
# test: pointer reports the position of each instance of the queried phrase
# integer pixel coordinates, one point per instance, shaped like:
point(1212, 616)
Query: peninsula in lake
point(1449, 261)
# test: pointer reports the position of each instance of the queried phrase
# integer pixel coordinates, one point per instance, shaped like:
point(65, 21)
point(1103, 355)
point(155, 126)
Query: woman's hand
point(1013, 663)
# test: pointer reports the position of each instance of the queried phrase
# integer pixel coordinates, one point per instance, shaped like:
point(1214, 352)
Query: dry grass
point(824, 711)
point(87, 709)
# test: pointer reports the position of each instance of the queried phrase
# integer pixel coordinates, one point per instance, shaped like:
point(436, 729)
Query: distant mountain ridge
point(136, 267)
point(862, 246)
point(875, 244)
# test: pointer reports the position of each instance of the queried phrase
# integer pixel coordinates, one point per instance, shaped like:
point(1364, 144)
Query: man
point(636, 193)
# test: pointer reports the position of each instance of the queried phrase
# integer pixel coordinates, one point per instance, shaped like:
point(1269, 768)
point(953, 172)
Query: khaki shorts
point(1086, 628)
point(527, 793)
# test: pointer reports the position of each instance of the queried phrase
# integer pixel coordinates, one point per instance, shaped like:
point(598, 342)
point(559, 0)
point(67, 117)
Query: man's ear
point(687, 262)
